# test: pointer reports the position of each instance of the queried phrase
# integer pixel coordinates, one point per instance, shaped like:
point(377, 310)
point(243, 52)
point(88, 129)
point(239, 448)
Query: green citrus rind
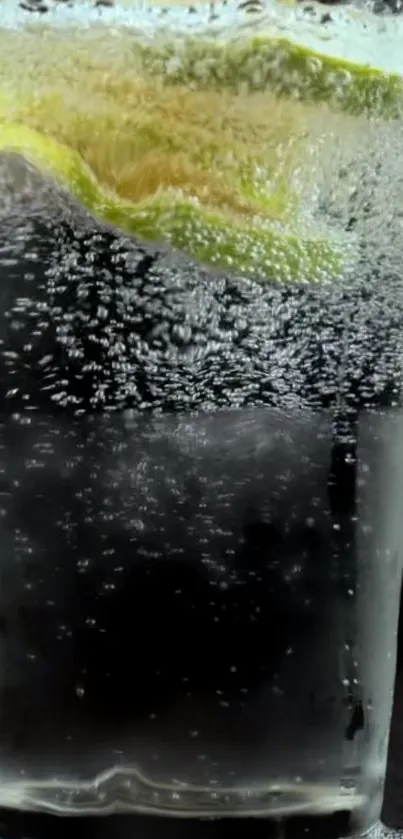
point(261, 63)
point(254, 251)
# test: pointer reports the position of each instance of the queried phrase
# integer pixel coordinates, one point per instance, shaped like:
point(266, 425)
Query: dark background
point(393, 807)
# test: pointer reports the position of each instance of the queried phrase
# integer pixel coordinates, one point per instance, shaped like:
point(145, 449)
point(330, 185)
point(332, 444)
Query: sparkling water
point(200, 483)
point(216, 633)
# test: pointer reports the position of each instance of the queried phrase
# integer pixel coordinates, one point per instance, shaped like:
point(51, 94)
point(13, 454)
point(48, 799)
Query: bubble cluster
point(93, 320)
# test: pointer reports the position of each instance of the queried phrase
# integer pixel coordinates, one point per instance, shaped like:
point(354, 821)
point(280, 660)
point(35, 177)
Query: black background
point(393, 808)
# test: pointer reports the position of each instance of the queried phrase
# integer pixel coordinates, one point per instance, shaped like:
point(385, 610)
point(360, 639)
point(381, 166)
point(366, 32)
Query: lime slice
point(277, 64)
point(355, 58)
point(207, 236)
point(188, 127)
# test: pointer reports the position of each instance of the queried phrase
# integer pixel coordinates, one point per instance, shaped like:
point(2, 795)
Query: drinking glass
point(201, 469)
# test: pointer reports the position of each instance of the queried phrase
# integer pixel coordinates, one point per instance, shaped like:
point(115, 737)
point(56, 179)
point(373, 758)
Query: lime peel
point(209, 237)
point(262, 63)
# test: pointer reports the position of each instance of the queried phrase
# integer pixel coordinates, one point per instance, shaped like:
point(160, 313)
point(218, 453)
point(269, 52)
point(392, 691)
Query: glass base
point(20, 825)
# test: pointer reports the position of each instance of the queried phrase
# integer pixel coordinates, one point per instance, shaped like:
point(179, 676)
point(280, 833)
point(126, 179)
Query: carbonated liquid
point(195, 614)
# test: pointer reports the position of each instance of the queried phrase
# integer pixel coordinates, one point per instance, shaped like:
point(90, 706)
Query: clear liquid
point(152, 681)
point(198, 615)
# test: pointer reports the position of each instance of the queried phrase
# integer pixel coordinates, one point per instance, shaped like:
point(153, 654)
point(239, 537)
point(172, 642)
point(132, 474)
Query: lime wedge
point(189, 129)
point(207, 236)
